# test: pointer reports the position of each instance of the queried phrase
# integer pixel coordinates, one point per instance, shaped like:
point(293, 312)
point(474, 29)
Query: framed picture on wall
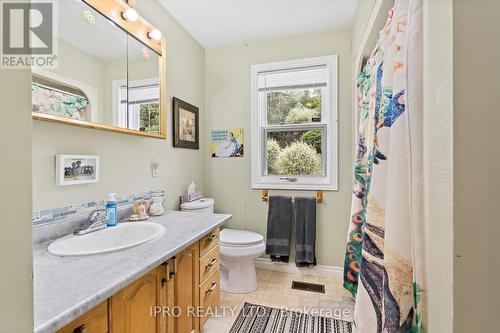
point(186, 125)
point(227, 142)
point(77, 169)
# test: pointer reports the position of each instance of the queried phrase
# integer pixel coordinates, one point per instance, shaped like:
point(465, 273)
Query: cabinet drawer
point(209, 296)
point(209, 241)
point(94, 321)
point(209, 263)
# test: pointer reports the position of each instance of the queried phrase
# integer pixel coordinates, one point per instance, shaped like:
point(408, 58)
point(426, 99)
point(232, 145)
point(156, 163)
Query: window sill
point(295, 187)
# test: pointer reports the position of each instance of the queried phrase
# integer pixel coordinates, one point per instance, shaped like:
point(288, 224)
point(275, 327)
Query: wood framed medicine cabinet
point(95, 38)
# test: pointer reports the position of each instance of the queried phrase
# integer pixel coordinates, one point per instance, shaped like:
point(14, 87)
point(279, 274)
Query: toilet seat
point(240, 238)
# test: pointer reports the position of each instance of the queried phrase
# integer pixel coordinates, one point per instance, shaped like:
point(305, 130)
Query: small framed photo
point(77, 169)
point(227, 142)
point(186, 125)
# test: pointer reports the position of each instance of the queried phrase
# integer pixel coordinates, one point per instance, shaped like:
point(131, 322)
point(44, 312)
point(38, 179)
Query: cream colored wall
point(476, 116)
point(16, 286)
point(361, 17)
point(83, 67)
point(125, 160)
point(227, 82)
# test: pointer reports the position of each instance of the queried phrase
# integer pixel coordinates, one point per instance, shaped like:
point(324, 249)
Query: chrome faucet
point(96, 221)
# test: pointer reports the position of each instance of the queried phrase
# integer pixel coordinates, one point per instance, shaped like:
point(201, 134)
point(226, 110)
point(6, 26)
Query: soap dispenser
point(111, 210)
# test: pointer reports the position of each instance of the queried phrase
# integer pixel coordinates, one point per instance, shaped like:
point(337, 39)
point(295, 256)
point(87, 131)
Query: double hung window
point(294, 124)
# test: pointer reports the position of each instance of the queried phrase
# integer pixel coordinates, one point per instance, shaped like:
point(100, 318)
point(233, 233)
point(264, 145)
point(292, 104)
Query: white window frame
point(127, 118)
point(329, 119)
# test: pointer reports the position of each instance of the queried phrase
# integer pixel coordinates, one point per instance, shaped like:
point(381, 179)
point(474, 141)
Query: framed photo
point(186, 125)
point(77, 169)
point(227, 142)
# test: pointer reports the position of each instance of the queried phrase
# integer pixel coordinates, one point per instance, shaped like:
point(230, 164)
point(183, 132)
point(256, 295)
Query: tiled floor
point(274, 289)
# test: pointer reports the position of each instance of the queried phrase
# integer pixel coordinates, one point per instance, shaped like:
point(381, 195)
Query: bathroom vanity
point(170, 284)
point(111, 76)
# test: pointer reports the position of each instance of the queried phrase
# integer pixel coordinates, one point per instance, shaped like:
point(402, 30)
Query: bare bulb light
point(154, 34)
point(130, 15)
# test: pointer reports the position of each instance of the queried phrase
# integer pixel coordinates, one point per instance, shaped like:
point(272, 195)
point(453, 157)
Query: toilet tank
point(202, 206)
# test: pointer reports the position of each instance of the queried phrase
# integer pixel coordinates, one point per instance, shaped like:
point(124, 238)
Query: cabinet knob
point(80, 329)
point(164, 282)
point(214, 285)
point(210, 264)
point(212, 237)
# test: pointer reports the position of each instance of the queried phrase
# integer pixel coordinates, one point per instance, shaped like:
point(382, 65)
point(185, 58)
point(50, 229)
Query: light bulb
point(154, 34)
point(130, 15)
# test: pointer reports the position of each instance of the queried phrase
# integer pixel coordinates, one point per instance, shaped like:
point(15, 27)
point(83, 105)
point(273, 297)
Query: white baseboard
point(331, 271)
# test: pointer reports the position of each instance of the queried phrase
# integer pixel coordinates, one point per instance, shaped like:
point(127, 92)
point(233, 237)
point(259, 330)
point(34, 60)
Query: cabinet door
point(209, 297)
point(209, 263)
point(186, 297)
point(95, 321)
point(133, 308)
point(170, 300)
point(209, 241)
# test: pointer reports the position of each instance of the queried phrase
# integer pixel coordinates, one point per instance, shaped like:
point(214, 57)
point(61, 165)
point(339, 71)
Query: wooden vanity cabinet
point(209, 263)
point(209, 242)
point(94, 321)
point(186, 297)
point(209, 297)
point(132, 309)
point(197, 283)
point(185, 288)
point(209, 276)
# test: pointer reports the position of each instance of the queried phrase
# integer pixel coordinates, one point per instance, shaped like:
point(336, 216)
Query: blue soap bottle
point(111, 210)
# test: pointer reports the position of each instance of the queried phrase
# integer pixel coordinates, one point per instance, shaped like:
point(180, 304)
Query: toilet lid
point(239, 237)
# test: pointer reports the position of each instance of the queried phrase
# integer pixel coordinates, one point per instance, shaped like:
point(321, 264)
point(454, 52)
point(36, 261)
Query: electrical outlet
point(155, 168)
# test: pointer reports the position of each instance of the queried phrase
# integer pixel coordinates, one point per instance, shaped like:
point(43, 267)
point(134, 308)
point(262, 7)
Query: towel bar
point(319, 196)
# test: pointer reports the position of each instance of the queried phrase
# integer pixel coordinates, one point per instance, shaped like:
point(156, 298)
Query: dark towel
point(305, 231)
point(279, 224)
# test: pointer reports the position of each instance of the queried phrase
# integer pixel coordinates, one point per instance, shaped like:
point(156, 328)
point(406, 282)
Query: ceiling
point(216, 23)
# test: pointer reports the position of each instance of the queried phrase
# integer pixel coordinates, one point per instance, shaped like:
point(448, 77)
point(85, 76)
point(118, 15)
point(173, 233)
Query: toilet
point(238, 249)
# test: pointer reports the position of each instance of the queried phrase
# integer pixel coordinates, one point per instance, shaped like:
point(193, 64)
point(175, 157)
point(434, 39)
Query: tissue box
point(191, 197)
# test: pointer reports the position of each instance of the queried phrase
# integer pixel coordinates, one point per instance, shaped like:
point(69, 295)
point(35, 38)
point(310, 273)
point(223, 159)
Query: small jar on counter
point(157, 201)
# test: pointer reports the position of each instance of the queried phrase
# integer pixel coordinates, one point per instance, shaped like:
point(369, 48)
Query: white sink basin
point(123, 236)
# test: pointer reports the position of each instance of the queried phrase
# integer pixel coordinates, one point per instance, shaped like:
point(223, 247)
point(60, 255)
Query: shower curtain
point(383, 262)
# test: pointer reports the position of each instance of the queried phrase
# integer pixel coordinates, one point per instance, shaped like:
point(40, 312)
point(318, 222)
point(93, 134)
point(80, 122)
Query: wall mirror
point(110, 73)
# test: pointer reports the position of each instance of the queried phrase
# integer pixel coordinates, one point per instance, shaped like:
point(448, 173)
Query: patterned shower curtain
point(384, 250)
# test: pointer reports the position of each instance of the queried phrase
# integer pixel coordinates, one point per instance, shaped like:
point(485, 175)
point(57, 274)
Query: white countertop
point(67, 287)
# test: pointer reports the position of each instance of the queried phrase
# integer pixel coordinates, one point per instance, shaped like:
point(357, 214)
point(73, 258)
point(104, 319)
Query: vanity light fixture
point(154, 34)
point(130, 15)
